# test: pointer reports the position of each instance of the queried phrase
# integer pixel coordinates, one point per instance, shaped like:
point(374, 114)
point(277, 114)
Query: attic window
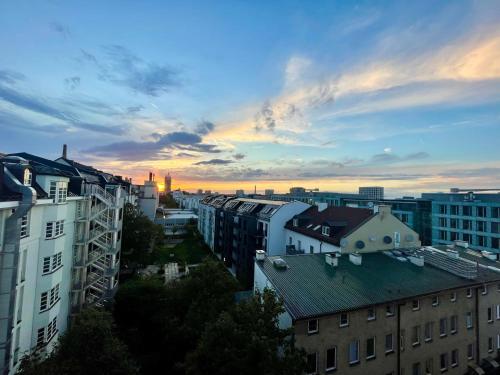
point(295, 222)
point(325, 230)
point(27, 177)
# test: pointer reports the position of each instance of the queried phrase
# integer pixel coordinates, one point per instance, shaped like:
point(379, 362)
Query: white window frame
point(454, 363)
point(327, 369)
point(389, 310)
point(453, 297)
point(374, 355)
point(373, 316)
point(435, 301)
point(470, 349)
point(469, 292)
point(418, 305)
point(391, 349)
point(445, 320)
point(28, 177)
point(315, 365)
point(468, 320)
point(356, 360)
point(346, 324)
point(485, 290)
point(325, 230)
point(309, 331)
point(445, 360)
point(25, 226)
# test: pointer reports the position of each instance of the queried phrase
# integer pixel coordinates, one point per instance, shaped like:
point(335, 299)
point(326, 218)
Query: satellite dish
point(387, 239)
point(360, 244)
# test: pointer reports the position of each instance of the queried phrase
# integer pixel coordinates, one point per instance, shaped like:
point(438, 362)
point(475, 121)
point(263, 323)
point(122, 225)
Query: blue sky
point(331, 94)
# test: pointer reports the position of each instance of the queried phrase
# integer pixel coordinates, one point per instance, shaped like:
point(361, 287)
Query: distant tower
point(168, 183)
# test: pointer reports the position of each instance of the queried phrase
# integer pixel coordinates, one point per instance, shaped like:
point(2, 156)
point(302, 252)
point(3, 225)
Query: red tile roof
point(341, 220)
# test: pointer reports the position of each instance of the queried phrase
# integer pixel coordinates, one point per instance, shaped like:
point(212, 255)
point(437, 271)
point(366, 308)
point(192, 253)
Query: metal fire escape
point(96, 254)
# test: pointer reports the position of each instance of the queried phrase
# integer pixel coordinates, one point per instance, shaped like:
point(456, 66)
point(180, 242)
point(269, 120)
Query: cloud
point(10, 77)
point(120, 66)
point(388, 157)
point(264, 118)
point(295, 69)
point(239, 156)
point(42, 107)
point(134, 109)
point(72, 82)
point(204, 127)
point(160, 148)
point(185, 155)
point(214, 162)
point(60, 28)
point(11, 122)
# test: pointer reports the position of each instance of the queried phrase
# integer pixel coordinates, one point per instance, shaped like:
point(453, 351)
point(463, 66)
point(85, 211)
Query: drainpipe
point(9, 263)
point(476, 323)
point(398, 339)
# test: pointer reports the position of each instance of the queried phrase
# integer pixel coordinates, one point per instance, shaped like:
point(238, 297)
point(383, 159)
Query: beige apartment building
point(425, 311)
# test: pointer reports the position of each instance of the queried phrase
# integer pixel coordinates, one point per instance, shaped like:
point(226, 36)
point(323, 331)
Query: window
point(54, 295)
point(443, 209)
point(371, 314)
point(415, 335)
point(480, 226)
point(311, 364)
point(435, 300)
point(389, 310)
point(443, 361)
point(498, 341)
point(299, 245)
point(325, 230)
point(331, 359)
point(389, 343)
point(470, 351)
point(354, 352)
point(428, 366)
point(415, 369)
point(344, 320)
point(370, 348)
point(495, 212)
point(490, 315)
point(46, 265)
point(312, 326)
point(498, 312)
point(490, 344)
point(48, 230)
point(466, 210)
point(402, 340)
point(58, 191)
point(57, 260)
point(53, 190)
point(481, 211)
point(466, 224)
point(453, 324)
point(44, 301)
point(51, 329)
point(25, 230)
point(442, 327)
point(120, 214)
point(54, 229)
point(443, 235)
point(469, 292)
point(429, 327)
point(311, 249)
point(40, 337)
point(481, 241)
point(415, 304)
point(453, 296)
point(453, 209)
point(442, 222)
point(468, 320)
point(27, 177)
point(295, 222)
point(454, 358)
point(495, 227)
point(454, 223)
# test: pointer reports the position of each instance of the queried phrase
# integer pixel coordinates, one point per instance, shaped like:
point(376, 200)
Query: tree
point(90, 346)
point(247, 340)
point(161, 323)
point(168, 201)
point(139, 235)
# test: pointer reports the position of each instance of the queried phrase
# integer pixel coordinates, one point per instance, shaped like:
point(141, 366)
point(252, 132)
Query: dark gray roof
point(310, 287)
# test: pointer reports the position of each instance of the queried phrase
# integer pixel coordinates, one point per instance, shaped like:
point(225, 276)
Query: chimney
point(355, 259)
point(65, 151)
point(332, 260)
point(150, 176)
point(260, 255)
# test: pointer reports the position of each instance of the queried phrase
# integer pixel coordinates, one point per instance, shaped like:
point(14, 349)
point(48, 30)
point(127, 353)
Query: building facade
point(168, 183)
point(423, 311)
point(371, 192)
point(60, 240)
point(470, 217)
point(149, 198)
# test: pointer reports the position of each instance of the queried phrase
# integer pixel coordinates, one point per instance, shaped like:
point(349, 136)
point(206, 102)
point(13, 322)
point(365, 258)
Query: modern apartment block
point(168, 184)
point(371, 192)
point(315, 197)
point(414, 212)
point(209, 220)
point(470, 217)
point(406, 311)
point(248, 225)
point(322, 229)
point(60, 240)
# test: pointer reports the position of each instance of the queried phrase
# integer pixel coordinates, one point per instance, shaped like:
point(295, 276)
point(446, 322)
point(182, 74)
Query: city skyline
point(232, 95)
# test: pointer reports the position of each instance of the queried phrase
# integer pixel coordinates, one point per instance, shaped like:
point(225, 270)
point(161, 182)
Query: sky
point(227, 95)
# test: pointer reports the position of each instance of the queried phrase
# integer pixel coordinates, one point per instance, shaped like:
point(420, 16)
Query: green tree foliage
point(161, 324)
point(140, 235)
point(246, 340)
point(90, 346)
point(168, 201)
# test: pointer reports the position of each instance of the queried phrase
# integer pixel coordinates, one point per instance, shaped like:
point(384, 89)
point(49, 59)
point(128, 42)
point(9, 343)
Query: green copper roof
point(310, 287)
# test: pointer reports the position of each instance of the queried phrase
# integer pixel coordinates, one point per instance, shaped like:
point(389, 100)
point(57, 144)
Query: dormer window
point(325, 231)
point(27, 177)
point(295, 222)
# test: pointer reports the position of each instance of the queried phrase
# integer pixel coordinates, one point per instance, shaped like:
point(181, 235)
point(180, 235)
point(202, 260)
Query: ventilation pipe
point(355, 259)
point(9, 261)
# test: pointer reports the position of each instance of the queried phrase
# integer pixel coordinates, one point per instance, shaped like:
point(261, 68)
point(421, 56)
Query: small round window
point(387, 239)
point(360, 244)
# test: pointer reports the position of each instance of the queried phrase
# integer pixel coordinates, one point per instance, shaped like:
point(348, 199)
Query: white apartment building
point(60, 240)
point(271, 221)
point(149, 198)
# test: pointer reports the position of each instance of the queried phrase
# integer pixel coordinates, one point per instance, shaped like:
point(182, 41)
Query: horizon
point(226, 96)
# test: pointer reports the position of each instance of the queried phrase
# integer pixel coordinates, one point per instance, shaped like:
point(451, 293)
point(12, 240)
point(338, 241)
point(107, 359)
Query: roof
point(341, 220)
point(311, 288)
point(471, 254)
